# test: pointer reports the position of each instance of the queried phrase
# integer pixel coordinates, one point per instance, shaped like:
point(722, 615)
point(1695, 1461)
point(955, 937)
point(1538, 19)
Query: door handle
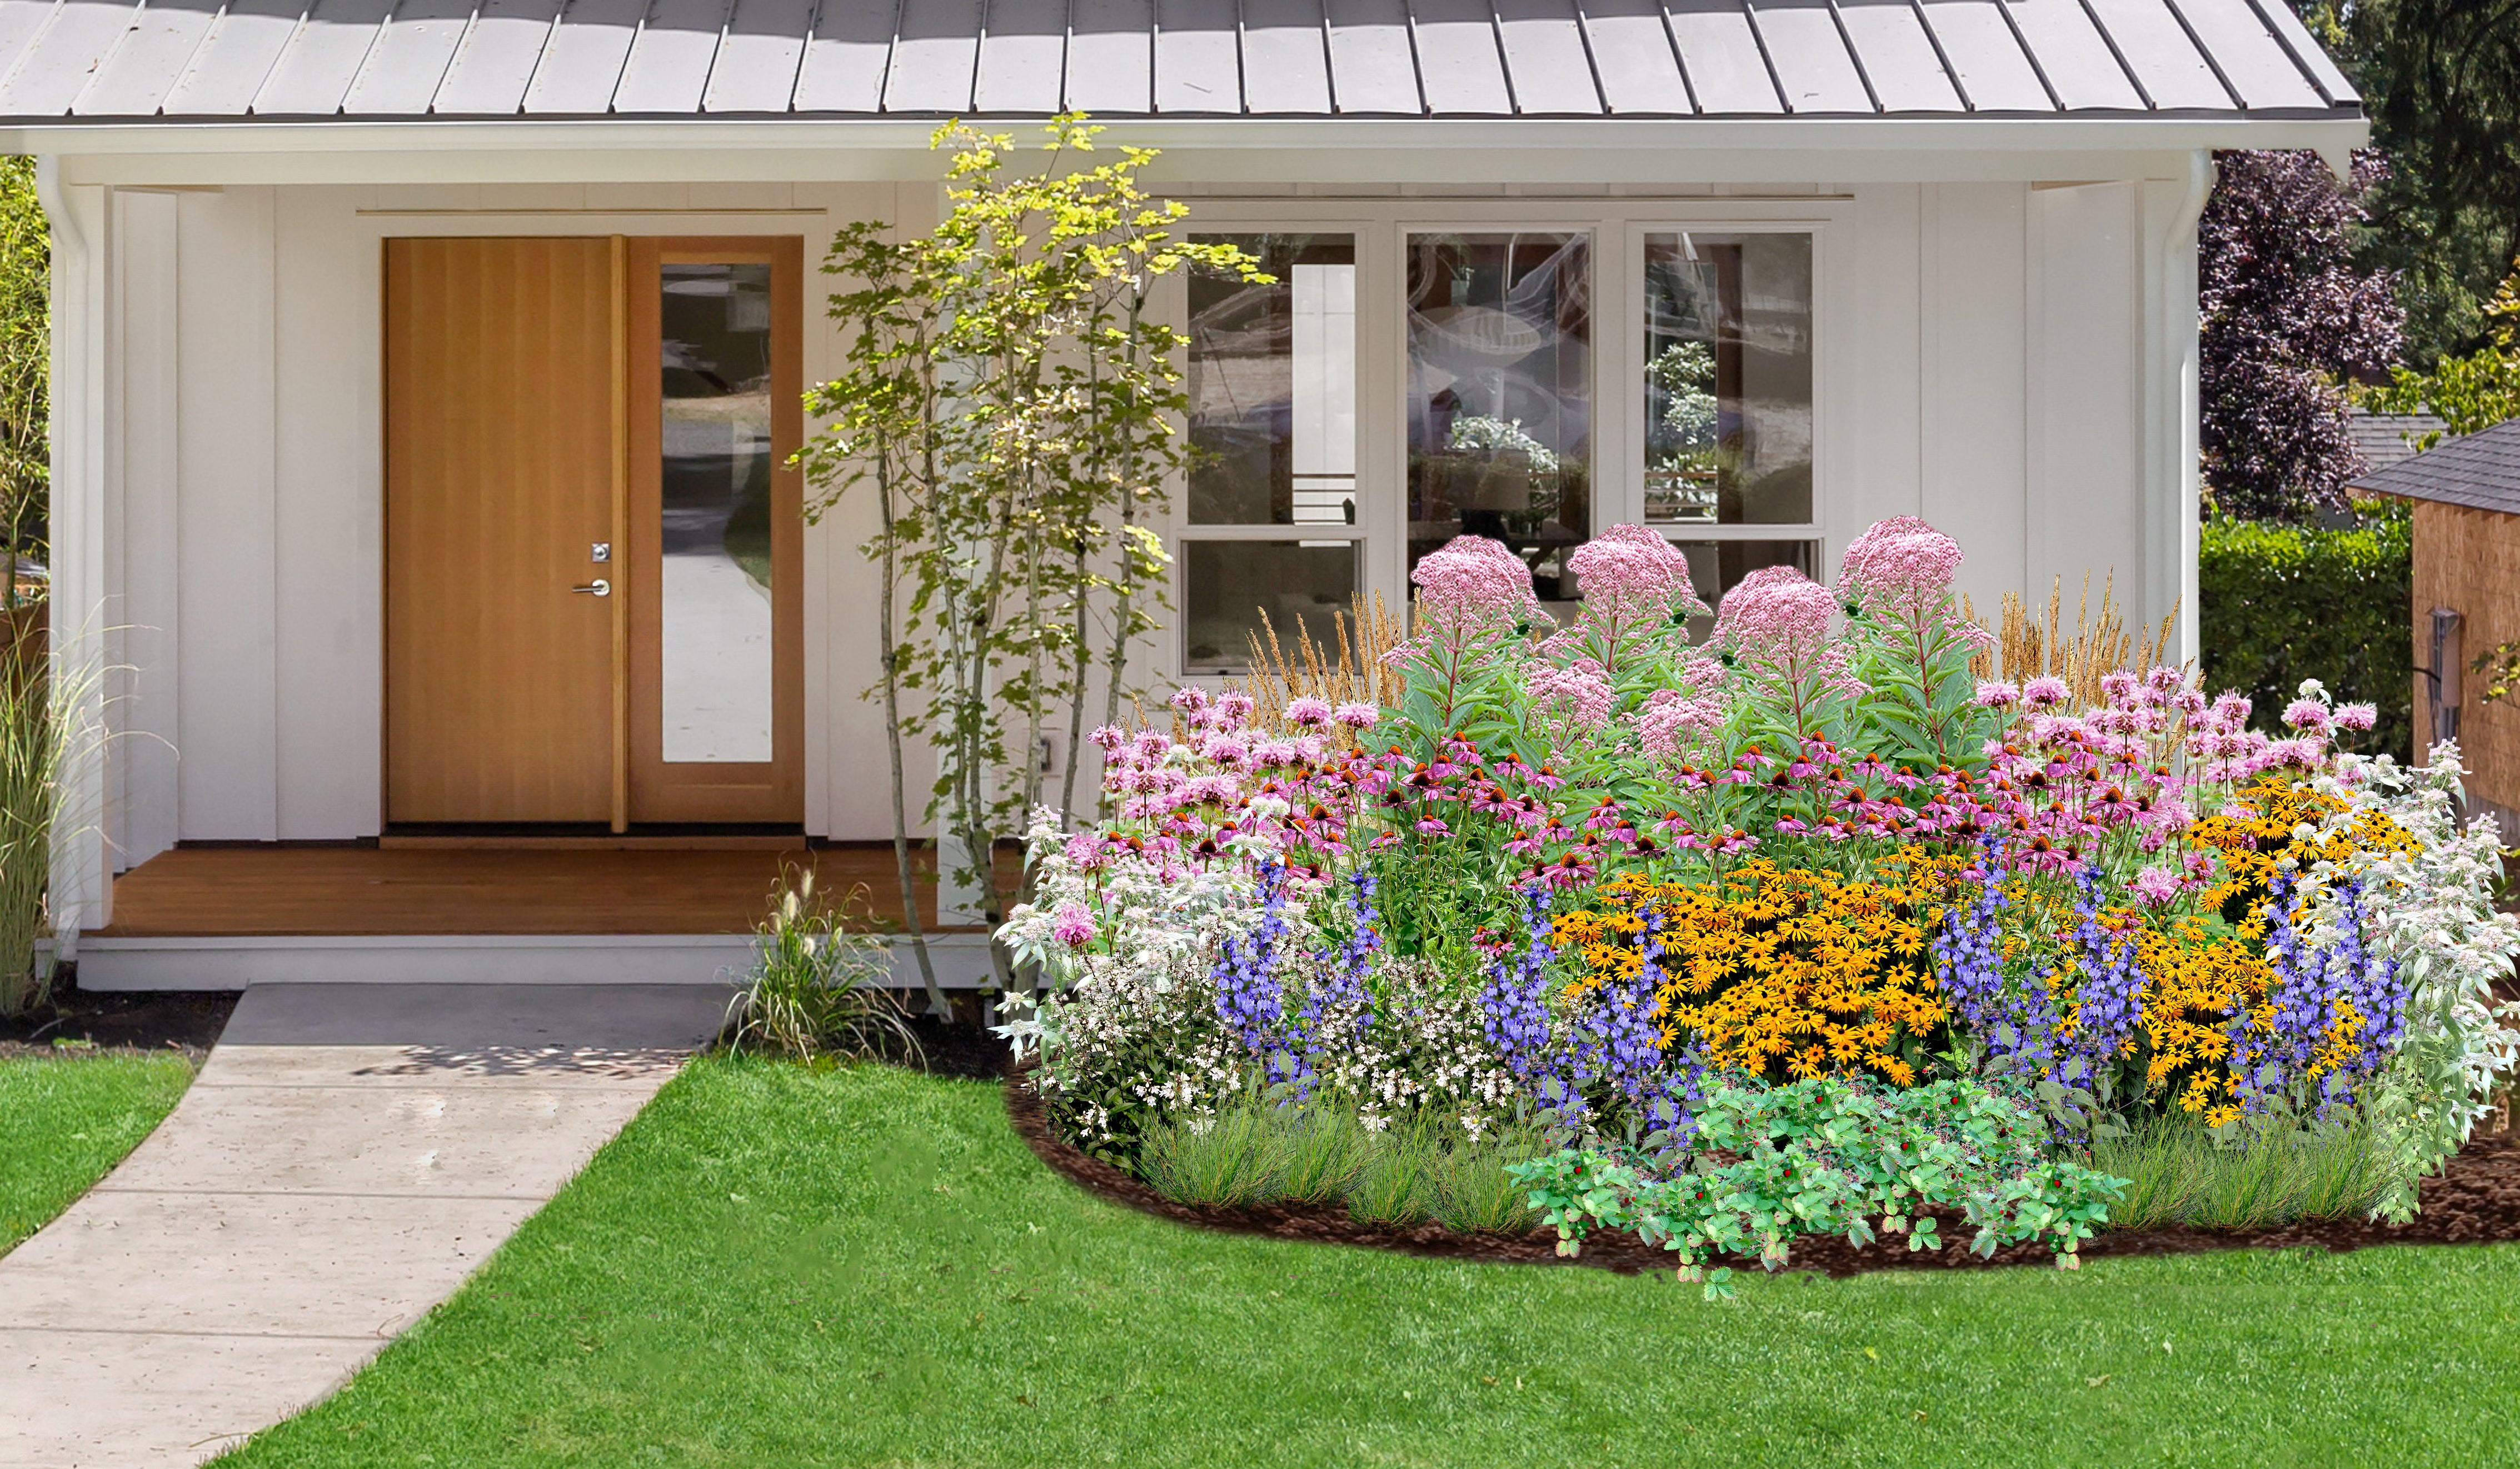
point(595, 587)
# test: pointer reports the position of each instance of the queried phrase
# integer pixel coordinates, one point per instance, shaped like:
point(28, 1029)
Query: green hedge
point(2281, 604)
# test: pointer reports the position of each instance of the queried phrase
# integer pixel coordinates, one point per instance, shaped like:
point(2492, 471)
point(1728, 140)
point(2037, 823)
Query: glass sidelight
point(716, 578)
point(715, 688)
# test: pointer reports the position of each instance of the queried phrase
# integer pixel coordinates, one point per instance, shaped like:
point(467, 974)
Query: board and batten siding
point(1988, 370)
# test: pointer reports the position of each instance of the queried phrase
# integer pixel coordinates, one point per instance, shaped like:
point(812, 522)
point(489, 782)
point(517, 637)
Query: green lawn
point(775, 1266)
point(67, 1120)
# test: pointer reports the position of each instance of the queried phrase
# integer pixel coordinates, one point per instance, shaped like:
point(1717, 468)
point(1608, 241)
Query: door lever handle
point(595, 587)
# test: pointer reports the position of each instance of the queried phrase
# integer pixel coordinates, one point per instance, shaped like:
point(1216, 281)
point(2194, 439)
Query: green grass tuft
point(2178, 1173)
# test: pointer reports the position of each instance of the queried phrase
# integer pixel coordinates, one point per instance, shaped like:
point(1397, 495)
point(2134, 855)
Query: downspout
point(81, 892)
point(2182, 344)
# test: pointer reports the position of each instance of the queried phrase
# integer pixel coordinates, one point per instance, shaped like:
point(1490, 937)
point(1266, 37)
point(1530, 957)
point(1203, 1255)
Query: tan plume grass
point(2030, 644)
point(1348, 667)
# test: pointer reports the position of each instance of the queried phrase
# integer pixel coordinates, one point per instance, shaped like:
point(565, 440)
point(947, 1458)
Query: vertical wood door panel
point(500, 457)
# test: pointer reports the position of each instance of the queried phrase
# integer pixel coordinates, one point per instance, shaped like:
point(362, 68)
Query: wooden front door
point(594, 551)
point(502, 472)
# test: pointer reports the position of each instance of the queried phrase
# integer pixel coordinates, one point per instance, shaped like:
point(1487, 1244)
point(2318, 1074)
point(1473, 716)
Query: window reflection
point(1273, 386)
point(1302, 587)
point(1728, 390)
point(1499, 395)
point(714, 580)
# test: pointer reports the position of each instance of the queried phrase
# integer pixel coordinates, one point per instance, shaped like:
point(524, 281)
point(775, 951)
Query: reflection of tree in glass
point(1480, 433)
point(1685, 371)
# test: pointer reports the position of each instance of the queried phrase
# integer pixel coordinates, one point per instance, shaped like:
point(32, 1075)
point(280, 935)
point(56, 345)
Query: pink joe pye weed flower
point(1474, 582)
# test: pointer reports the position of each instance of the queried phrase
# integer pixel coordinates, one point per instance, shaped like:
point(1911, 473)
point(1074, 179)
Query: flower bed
point(1814, 929)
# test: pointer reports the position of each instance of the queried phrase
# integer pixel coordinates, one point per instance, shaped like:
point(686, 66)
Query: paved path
point(347, 1155)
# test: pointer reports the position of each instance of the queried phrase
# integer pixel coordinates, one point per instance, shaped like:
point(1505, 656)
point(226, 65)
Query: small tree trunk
point(937, 1005)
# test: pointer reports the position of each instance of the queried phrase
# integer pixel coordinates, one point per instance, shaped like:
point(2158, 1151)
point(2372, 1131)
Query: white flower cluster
point(2433, 912)
point(1421, 1046)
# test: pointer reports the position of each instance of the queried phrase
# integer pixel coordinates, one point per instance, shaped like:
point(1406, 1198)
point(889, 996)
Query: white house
point(422, 366)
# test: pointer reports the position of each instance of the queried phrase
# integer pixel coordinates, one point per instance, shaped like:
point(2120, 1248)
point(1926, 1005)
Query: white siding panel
point(757, 61)
point(1632, 51)
point(227, 681)
point(2087, 430)
point(1286, 56)
point(147, 306)
point(1899, 57)
point(1023, 57)
point(328, 514)
point(2160, 54)
point(847, 56)
point(236, 58)
point(1814, 69)
point(56, 68)
point(1374, 68)
point(668, 70)
point(1720, 55)
point(1111, 56)
point(2073, 54)
point(2251, 58)
point(1198, 56)
point(400, 76)
point(1975, 406)
point(1545, 56)
point(1878, 276)
point(581, 67)
point(933, 59)
point(1992, 66)
point(496, 63)
point(133, 81)
point(1458, 63)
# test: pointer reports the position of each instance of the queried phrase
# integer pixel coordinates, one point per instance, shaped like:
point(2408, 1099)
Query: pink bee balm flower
point(2045, 691)
point(1073, 925)
point(1357, 716)
point(1995, 693)
point(1474, 582)
point(1307, 713)
point(2357, 716)
point(1900, 566)
point(2306, 714)
point(1109, 739)
point(2154, 887)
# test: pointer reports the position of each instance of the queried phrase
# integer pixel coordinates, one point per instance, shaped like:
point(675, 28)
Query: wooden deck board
point(233, 892)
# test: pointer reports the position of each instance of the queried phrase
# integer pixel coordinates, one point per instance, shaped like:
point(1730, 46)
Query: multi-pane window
point(1499, 395)
point(1271, 382)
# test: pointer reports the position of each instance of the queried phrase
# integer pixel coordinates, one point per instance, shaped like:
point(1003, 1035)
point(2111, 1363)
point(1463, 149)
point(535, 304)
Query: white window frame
point(1618, 225)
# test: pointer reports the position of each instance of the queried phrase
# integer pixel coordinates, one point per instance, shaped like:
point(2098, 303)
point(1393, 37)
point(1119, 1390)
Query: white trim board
point(232, 963)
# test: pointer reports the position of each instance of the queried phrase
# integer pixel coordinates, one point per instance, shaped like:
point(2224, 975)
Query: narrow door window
point(718, 671)
point(1273, 444)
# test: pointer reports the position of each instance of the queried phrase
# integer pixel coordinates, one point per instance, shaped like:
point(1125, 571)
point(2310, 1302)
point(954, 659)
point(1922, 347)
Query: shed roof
point(2481, 472)
point(380, 60)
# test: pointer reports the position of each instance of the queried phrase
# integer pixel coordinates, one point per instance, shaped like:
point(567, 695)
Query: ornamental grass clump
point(817, 988)
point(1604, 890)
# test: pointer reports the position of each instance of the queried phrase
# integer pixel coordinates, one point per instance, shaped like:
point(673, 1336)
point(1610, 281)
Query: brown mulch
point(189, 1021)
point(2476, 1199)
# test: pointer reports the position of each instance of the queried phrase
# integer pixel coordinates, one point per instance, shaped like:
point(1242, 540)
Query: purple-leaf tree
point(2287, 320)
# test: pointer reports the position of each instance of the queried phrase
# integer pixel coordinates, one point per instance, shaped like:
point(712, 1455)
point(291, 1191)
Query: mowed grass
point(68, 1120)
point(780, 1265)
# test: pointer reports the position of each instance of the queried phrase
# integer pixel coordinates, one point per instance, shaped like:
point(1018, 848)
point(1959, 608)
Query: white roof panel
point(181, 60)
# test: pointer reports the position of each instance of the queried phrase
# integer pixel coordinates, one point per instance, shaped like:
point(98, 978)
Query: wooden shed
point(2467, 496)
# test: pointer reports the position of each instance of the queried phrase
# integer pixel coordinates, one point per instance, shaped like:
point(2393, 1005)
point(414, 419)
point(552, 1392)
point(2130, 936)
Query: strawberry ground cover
point(783, 1264)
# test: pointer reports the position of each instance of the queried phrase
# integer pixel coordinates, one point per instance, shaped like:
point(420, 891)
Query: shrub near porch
point(1666, 932)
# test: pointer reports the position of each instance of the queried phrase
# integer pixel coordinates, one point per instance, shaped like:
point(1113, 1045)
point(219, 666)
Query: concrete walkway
point(348, 1154)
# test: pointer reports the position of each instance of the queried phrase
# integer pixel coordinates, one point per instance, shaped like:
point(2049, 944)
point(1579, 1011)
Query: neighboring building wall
point(1987, 367)
point(2468, 561)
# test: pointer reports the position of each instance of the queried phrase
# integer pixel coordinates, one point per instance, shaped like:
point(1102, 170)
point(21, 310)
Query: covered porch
point(445, 909)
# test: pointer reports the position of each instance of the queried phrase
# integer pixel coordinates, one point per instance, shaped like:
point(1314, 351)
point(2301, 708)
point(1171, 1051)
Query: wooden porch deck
point(553, 889)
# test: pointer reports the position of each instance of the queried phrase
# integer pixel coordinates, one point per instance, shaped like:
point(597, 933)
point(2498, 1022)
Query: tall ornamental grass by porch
point(837, 1266)
point(35, 720)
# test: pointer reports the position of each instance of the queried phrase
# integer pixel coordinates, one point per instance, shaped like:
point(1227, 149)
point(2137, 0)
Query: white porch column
point(82, 878)
point(2175, 477)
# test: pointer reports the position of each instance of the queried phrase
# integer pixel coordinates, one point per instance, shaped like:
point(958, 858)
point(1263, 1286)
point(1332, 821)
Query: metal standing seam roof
point(2481, 472)
point(376, 60)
